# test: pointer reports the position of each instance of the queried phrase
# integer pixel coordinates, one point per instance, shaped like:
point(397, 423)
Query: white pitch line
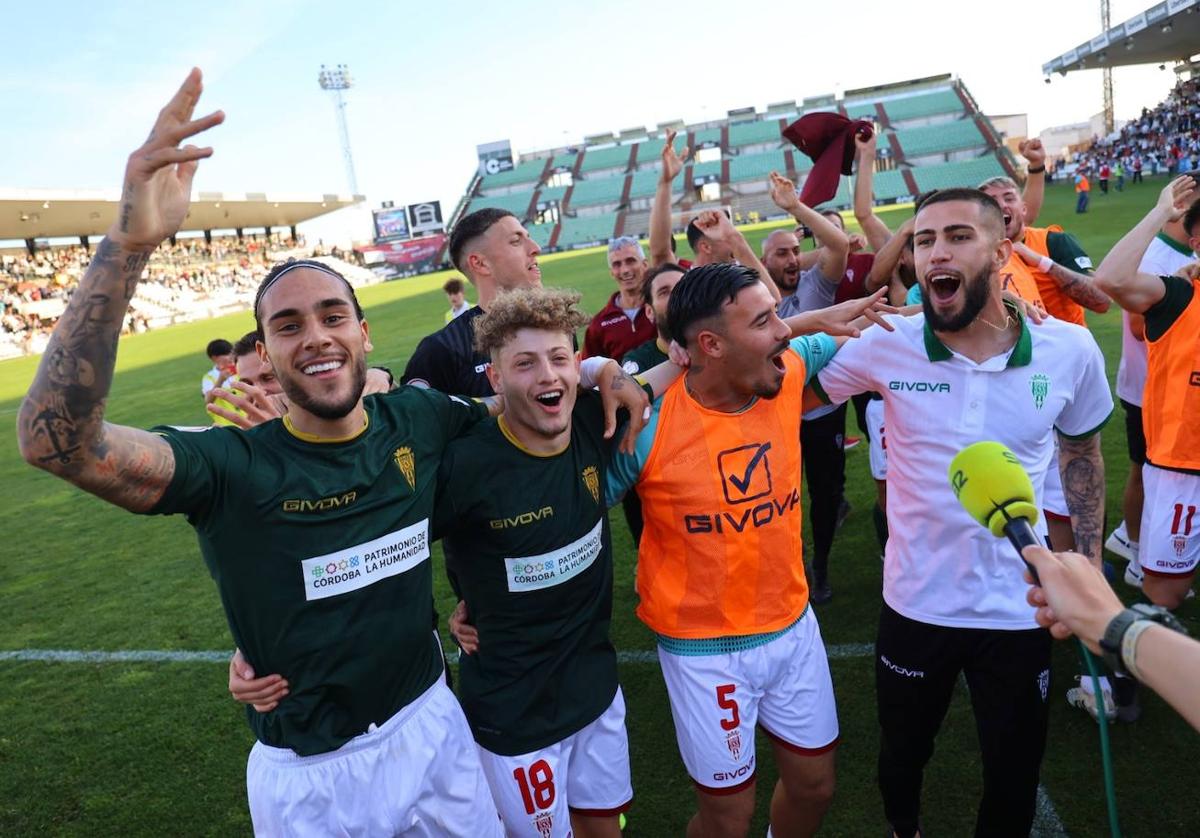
point(836, 651)
point(1046, 822)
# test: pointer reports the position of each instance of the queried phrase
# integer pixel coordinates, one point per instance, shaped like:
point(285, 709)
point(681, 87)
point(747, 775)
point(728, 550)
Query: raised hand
point(253, 405)
point(1177, 196)
point(865, 148)
point(158, 176)
point(716, 225)
point(841, 319)
point(857, 242)
point(1033, 151)
point(672, 163)
point(783, 192)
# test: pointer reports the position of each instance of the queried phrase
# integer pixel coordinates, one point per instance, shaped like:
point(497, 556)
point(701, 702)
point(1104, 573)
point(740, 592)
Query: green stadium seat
point(541, 233)
point(598, 191)
point(968, 173)
point(712, 167)
point(517, 203)
point(844, 196)
point(644, 183)
point(552, 193)
point(605, 158)
point(706, 135)
point(861, 110)
point(753, 133)
point(890, 185)
point(925, 104)
point(954, 135)
point(529, 171)
point(566, 161)
point(755, 166)
point(648, 151)
point(587, 229)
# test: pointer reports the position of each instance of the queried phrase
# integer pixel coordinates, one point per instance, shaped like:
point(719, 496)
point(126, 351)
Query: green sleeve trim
point(1085, 434)
point(815, 384)
point(1161, 316)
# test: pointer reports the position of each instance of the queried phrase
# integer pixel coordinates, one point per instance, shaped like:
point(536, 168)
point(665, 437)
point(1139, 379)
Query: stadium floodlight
point(1129, 43)
point(337, 81)
point(1166, 28)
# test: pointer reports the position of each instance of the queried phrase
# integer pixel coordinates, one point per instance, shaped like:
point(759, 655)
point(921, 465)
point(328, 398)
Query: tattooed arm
point(1078, 286)
point(1082, 469)
point(61, 425)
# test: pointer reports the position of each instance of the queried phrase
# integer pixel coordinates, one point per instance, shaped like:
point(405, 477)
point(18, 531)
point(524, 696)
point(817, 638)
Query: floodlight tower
point(1109, 122)
point(337, 81)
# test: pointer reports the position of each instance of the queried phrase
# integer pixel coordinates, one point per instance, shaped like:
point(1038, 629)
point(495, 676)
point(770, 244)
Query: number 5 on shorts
point(537, 786)
point(726, 701)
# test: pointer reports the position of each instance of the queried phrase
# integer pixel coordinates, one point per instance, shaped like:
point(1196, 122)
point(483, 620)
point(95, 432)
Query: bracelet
point(1129, 646)
point(1036, 170)
point(1045, 264)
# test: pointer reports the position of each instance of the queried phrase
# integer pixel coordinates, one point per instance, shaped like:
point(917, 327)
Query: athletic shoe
point(1120, 544)
point(850, 442)
point(1084, 700)
point(842, 513)
point(1133, 574)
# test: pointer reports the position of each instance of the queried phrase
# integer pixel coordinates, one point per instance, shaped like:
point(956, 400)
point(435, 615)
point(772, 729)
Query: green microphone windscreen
point(989, 481)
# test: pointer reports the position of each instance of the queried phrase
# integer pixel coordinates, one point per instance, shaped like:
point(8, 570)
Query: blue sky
point(82, 81)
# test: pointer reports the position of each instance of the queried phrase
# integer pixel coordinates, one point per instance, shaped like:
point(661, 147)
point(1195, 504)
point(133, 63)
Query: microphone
point(992, 485)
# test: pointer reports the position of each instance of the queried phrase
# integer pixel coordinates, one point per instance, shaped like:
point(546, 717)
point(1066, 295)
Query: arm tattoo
point(1082, 468)
point(61, 425)
point(1079, 287)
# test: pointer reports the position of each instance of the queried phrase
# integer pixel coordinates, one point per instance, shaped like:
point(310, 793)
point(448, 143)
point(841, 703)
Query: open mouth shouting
point(943, 285)
point(777, 358)
point(551, 400)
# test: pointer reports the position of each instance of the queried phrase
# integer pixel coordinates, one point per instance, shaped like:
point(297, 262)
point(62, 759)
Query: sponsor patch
point(534, 573)
point(367, 563)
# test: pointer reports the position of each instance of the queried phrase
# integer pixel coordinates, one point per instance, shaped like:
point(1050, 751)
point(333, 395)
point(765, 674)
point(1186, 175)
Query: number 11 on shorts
point(536, 785)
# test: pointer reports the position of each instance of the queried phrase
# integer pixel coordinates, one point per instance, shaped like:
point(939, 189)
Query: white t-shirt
point(1162, 257)
point(942, 567)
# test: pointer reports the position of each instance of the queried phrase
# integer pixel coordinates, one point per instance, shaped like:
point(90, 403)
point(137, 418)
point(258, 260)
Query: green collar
point(1021, 355)
point(1174, 245)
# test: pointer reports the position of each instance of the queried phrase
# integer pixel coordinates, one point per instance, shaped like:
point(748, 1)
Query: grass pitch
point(159, 748)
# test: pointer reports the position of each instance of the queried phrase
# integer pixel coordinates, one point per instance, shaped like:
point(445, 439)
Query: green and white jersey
point(320, 552)
point(531, 555)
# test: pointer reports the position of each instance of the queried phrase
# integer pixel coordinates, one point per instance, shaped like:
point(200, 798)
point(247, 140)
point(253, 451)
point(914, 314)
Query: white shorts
point(1054, 502)
point(587, 773)
point(1170, 544)
point(417, 774)
point(875, 431)
point(716, 700)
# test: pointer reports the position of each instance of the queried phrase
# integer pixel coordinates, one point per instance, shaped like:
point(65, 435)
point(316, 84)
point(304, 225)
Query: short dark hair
point(652, 274)
point(1191, 218)
point(277, 270)
point(702, 293)
point(694, 235)
point(986, 202)
point(471, 226)
point(246, 344)
point(220, 346)
point(453, 285)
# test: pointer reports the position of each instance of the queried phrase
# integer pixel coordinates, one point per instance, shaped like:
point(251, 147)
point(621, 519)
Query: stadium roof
point(1167, 31)
point(50, 213)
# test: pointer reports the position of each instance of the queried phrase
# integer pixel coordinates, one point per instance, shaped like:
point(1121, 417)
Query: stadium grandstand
point(932, 134)
point(226, 246)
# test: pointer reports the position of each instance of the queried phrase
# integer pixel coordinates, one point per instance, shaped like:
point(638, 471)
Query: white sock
point(769, 833)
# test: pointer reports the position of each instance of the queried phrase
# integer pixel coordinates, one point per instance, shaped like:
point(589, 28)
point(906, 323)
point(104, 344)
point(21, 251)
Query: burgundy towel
point(828, 138)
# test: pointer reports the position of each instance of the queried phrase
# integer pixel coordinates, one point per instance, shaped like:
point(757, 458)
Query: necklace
point(1008, 321)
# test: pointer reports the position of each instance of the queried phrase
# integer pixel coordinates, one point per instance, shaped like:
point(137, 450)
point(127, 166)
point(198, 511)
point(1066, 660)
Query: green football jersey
point(531, 555)
point(320, 552)
point(643, 357)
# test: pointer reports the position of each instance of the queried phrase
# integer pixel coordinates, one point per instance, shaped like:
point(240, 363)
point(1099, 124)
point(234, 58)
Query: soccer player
point(1170, 306)
point(495, 252)
point(969, 368)
point(457, 295)
point(656, 294)
point(718, 472)
point(315, 528)
point(623, 323)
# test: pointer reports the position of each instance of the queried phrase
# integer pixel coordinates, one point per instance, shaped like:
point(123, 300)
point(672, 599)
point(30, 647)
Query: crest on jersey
point(1039, 385)
point(404, 461)
point(1179, 542)
point(733, 740)
point(543, 822)
point(1044, 683)
point(591, 479)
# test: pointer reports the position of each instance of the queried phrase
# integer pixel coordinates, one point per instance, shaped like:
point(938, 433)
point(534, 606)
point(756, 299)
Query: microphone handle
point(1020, 533)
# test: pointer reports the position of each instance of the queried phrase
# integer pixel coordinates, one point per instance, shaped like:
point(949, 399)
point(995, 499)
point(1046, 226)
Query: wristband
point(1045, 264)
point(1113, 643)
point(1036, 170)
point(1129, 646)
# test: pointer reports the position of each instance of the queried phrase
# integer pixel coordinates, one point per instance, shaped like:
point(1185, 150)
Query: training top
point(1171, 405)
point(941, 567)
point(1061, 247)
point(720, 555)
point(532, 558)
point(320, 552)
point(645, 357)
point(446, 360)
point(1017, 278)
point(611, 333)
point(1164, 256)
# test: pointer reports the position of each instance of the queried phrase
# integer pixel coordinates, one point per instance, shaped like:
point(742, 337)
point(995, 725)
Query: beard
point(975, 297)
point(327, 407)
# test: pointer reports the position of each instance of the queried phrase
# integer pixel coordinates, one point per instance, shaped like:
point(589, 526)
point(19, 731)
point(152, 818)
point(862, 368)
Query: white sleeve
point(1091, 401)
point(851, 371)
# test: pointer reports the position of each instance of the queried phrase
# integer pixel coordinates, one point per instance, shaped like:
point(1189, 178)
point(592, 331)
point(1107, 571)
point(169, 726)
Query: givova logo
point(920, 386)
point(745, 472)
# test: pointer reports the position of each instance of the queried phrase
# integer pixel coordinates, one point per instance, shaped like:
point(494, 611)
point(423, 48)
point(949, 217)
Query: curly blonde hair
point(547, 309)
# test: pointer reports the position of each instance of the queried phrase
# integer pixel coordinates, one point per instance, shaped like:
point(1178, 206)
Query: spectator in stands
point(622, 324)
point(457, 295)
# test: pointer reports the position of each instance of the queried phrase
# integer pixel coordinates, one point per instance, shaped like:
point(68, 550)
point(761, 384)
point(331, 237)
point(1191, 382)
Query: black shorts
point(1135, 434)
